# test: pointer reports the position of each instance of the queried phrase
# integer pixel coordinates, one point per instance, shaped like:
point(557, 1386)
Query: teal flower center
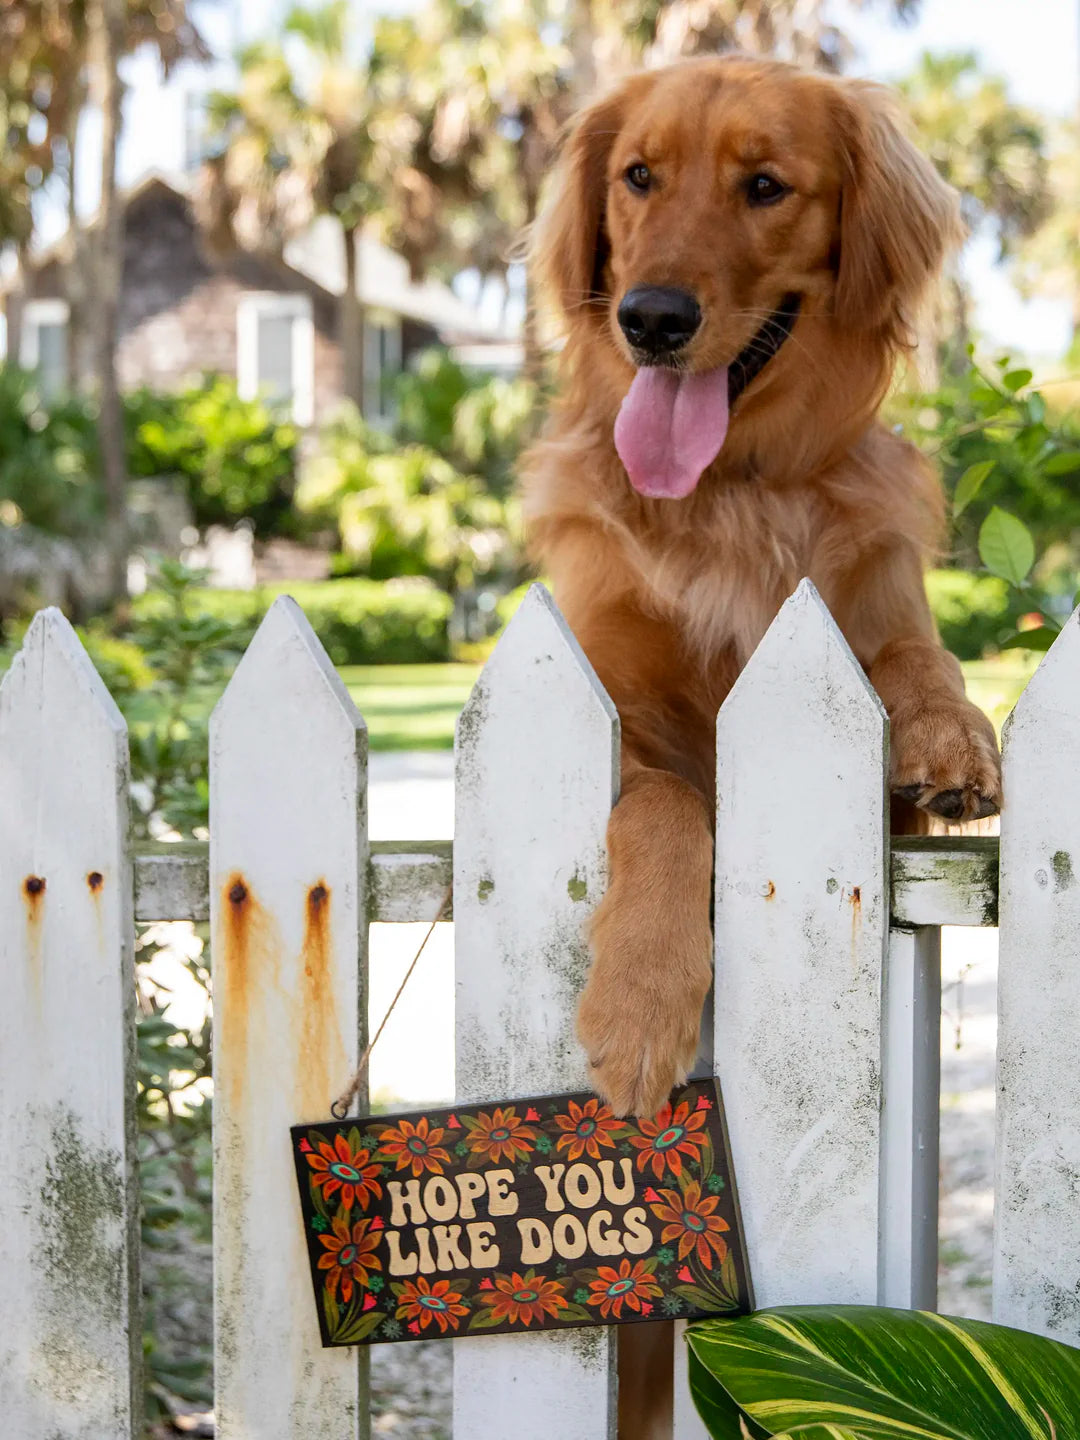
point(345, 1172)
point(670, 1137)
point(431, 1302)
point(347, 1255)
point(620, 1287)
point(586, 1128)
point(417, 1146)
point(692, 1221)
point(500, 1133)
point(524, 1296)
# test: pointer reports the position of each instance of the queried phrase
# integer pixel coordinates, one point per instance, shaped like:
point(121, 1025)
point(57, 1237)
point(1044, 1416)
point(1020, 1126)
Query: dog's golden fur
point(670, 597)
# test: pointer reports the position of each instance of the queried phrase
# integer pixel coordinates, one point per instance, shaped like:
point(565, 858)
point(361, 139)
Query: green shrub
point(237, 456)
point(360, 622)
point(48, 459)
point(974, 613)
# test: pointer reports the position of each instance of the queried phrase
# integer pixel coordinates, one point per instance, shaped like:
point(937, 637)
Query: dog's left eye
point(639, 177)
point(762, 189)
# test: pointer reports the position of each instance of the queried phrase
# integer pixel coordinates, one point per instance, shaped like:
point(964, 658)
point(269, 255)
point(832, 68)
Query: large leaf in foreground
point(882, 1375)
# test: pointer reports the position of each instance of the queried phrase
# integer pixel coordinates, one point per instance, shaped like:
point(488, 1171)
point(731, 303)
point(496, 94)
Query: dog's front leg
point(651, 942)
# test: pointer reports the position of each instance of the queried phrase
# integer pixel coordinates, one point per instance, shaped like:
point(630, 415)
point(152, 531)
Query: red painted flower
point(500, 1135)
point(664, 1140)
point(629, 1285)
point(430, 1304)
point(340, 1167)
point(525, 1297)
point(348, 1256)
point(692, 1220)
point(587, 1127)
point(415, 1147)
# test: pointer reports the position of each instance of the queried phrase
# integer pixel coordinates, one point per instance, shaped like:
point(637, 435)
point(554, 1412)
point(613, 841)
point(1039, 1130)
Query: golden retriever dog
point(736, 250)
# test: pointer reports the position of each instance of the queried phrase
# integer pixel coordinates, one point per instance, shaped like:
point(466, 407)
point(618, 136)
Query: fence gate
point(827, 1002)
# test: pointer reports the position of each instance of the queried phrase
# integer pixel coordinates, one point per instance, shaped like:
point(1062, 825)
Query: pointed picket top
point(537, 768)
point(539, 639)
point(284, 650)
point(52, 656)
point(801, 919)
point(70, 1346)
point(805, 629)
point(1037, 1157)
point(288, 903)
point(1055, 686)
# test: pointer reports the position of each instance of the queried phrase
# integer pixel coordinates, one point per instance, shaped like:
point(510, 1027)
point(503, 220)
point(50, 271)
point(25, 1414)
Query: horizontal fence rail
point(825, 1036)
point(935, 880)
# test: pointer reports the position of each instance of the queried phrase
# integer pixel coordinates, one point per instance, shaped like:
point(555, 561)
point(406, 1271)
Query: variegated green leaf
point(818, 1372)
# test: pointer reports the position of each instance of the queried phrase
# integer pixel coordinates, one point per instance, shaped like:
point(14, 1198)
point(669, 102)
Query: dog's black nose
point(658, 320)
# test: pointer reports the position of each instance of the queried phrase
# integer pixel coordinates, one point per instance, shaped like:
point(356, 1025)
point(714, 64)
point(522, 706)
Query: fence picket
point(288, 910)
point(71, 1341)
point(537, 773)
point(1036, 1276)
point(801, 924)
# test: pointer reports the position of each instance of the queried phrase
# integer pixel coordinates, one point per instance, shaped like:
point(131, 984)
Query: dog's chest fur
point(722, 571)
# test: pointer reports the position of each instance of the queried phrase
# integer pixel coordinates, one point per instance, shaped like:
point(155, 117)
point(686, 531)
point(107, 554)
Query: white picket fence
point(826, 1013)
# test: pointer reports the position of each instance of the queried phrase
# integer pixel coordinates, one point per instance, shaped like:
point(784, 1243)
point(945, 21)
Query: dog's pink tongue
point(670, 428)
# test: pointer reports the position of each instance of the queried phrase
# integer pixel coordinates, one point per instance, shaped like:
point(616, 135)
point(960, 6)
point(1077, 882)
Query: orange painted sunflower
point(524, 1298)
point(629, 1285)
point(692, 1220)
point(500, 1136)
point(587, 1127)
point(348, 1256)
point(416, 1147)
point(430, 1304)
point(340, 1167)
point(664, 1140)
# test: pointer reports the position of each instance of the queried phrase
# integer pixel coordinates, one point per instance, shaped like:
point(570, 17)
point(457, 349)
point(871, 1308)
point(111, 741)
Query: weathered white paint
point(687, 1423)
point(801, 923)
point(70, 1335)
point(288, 792)
point(936, 880)
point(1037, 1218)
point(909, 1121)
point(537, 773)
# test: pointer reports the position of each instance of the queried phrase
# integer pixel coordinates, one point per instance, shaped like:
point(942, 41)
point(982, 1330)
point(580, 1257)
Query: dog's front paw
point(641, 1010)
point(945, 760)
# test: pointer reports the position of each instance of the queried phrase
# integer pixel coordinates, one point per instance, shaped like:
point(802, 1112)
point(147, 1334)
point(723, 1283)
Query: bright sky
point(1035, 44)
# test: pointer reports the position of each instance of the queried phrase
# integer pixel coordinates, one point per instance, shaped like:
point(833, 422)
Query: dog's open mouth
point(673, 423)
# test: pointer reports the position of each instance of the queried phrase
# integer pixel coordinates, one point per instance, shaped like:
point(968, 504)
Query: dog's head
point(711, 222)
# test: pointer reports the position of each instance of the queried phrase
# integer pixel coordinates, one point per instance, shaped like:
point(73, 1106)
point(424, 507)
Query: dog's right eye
point(639, 177)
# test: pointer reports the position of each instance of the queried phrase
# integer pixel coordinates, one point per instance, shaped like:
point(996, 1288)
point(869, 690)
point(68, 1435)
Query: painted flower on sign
point(524, 1298)
point(629, 1285)
point(426, 1304)
point(664, 1141)
point(586, 1128)
point(340, 1167)
point(348, 1256)
point(415, 1147)
point(500, 1135)
point(692, 1220)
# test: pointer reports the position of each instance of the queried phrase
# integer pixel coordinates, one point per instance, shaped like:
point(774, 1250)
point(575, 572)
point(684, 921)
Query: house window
point(275, 337)
point(44, 345)
point(382, 366)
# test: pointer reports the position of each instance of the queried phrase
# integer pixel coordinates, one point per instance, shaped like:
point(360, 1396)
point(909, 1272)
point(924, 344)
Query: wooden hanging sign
point(538, 1214)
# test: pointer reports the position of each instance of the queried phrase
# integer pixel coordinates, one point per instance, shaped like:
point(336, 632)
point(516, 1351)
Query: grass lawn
point(410, 707)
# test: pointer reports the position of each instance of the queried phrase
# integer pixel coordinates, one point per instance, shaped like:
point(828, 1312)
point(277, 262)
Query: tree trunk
point(956, 356)
point(75, 276)
point(109, 16)
point(351, 320)
point(16, 304)
point(531, 343)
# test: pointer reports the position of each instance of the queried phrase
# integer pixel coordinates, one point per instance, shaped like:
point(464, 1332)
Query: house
point(271, 323)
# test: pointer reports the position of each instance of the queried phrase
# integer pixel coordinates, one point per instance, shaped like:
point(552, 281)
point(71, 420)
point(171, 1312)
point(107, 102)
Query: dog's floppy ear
point(568, 247)
point(898, 218)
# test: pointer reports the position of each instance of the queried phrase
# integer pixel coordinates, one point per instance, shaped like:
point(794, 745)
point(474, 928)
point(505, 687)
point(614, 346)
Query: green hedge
point(361, 622)
point(974, 613)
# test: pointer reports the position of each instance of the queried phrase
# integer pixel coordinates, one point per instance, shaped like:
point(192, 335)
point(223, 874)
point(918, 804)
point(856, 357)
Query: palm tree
point(992, 150)
point(296, 142)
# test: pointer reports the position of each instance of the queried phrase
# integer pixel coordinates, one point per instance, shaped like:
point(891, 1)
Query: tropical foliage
point(853, 1373)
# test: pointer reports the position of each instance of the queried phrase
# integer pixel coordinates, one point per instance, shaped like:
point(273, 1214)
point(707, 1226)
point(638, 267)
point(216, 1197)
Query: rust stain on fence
point(321, 1053)
point(33, 888)
point(249, 959)
point(95, 880)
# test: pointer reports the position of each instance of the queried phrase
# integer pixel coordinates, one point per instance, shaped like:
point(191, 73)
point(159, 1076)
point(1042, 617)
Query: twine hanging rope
point(340, 1107)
